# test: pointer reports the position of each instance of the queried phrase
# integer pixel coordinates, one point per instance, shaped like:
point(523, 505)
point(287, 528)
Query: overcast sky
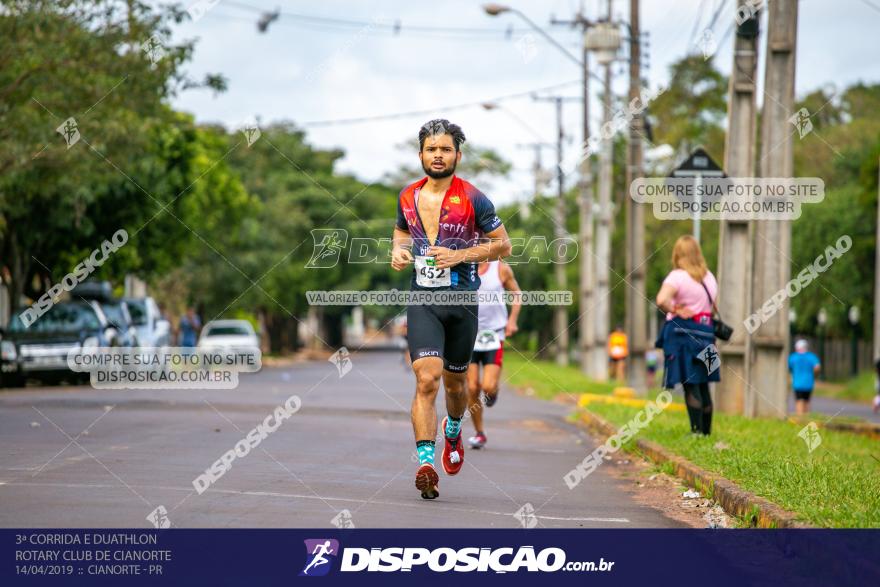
point(307, 70)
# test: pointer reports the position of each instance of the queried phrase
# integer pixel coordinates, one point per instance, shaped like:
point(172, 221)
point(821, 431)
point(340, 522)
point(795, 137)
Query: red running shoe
point(427, 480)
point(453, 452)
point(477, 441)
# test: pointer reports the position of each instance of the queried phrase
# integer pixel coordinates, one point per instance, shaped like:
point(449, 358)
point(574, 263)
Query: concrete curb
point(586, 399)
point(757, 511)
point(868, 429)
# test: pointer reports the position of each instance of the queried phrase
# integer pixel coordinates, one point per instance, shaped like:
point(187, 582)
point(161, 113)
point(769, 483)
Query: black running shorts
point(442, 331)
point(803, 394)
point(488, 357)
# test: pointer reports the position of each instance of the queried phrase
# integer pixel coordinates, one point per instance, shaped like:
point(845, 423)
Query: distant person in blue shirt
point(803, 365)
point(190, 325)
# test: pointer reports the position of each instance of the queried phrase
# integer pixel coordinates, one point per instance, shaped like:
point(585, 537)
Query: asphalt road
point(836, 407)
point(80, 457)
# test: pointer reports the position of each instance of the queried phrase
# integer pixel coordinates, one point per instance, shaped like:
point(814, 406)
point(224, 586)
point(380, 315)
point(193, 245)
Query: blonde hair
point(686, 254)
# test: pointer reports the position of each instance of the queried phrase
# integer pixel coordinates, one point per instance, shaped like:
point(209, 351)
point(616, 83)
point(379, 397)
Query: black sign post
point(697, 166)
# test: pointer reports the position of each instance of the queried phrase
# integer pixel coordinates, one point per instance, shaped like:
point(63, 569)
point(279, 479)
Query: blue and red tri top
point(465, 215)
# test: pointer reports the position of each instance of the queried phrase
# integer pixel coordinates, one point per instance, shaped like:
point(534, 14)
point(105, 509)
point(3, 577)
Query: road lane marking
point(416, 505)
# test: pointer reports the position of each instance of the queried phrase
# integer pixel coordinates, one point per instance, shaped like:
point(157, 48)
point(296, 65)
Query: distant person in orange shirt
point(618, 351)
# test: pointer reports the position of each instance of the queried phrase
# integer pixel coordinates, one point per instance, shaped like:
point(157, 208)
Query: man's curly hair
point(441, 126)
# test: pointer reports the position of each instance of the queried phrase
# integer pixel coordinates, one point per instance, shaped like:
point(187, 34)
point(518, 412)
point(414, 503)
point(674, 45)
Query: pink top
point(690, 293)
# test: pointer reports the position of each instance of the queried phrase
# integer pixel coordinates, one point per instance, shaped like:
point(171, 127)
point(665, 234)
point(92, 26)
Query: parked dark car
point(39, 351)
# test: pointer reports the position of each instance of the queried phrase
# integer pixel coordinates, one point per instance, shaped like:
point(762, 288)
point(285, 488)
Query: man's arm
point(401, 243)
point(508, 280)
point(496, 247)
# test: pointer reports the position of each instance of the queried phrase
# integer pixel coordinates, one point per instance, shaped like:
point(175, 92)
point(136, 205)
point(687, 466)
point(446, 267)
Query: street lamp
point(821, 320)
point(559, 315)
point(792, 318)
point(853, 316)
point(493, 9)
point(607, 43)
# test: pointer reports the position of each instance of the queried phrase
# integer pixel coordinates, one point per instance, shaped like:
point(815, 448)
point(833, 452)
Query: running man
point(804, 367)
point(617, 353)
point(494, 325)
point(441, 217)
point(320, 550)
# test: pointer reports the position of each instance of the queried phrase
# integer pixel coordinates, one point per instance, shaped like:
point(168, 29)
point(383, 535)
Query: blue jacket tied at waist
point(687, 359)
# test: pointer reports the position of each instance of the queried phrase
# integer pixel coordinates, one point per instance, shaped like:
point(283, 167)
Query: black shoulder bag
point(722, 330)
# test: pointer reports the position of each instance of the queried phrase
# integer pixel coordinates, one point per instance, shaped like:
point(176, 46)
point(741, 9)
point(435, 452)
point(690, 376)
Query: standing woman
point(688, 296)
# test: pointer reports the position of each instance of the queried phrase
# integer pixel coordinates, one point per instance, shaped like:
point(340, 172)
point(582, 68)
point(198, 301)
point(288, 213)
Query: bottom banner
point(400, 557)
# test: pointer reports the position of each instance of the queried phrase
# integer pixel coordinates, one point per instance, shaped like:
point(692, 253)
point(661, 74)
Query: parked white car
point(229, 336)
point(152, 329)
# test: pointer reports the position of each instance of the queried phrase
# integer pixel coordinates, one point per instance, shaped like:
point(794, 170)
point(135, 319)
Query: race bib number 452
point(429, 275)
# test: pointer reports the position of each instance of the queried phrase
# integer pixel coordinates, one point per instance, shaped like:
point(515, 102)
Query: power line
point(717, 12)
point(366, 30)
point(696, 26)
point(396, 27)
point(374, 31)
point(391, 116)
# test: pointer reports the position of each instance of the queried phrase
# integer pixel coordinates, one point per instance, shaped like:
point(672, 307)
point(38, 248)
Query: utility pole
point(537, 168)
point(736, 236)
point(636, 310)
point(768, 382)
point(586, 291)
point(560, 326)
point(586, 315)
point(603, 38)
point(877, 281)
point(603, 234)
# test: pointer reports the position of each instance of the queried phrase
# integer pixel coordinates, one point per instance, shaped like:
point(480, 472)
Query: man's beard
point(439, 174)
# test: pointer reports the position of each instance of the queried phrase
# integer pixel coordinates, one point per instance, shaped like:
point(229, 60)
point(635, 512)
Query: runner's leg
point(424, 421)
point(475, 406)
point(491, 375)
point(426, 339)
point(460, 324)
point(456, 395)
point(424, 413)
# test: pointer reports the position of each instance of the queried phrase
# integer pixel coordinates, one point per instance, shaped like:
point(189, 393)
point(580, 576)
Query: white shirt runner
point(487, 340)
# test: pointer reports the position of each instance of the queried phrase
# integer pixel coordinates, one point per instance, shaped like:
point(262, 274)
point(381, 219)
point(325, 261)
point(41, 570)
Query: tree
point(692, 110)
point(82, 67)
point(266, 271)
point(477, 164)
point(843, 150)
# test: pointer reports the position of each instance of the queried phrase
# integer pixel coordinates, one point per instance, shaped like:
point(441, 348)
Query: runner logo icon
point(320, 554)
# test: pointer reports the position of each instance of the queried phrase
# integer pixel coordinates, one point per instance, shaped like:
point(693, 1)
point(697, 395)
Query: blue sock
point(425, 448)
point(453, 426)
